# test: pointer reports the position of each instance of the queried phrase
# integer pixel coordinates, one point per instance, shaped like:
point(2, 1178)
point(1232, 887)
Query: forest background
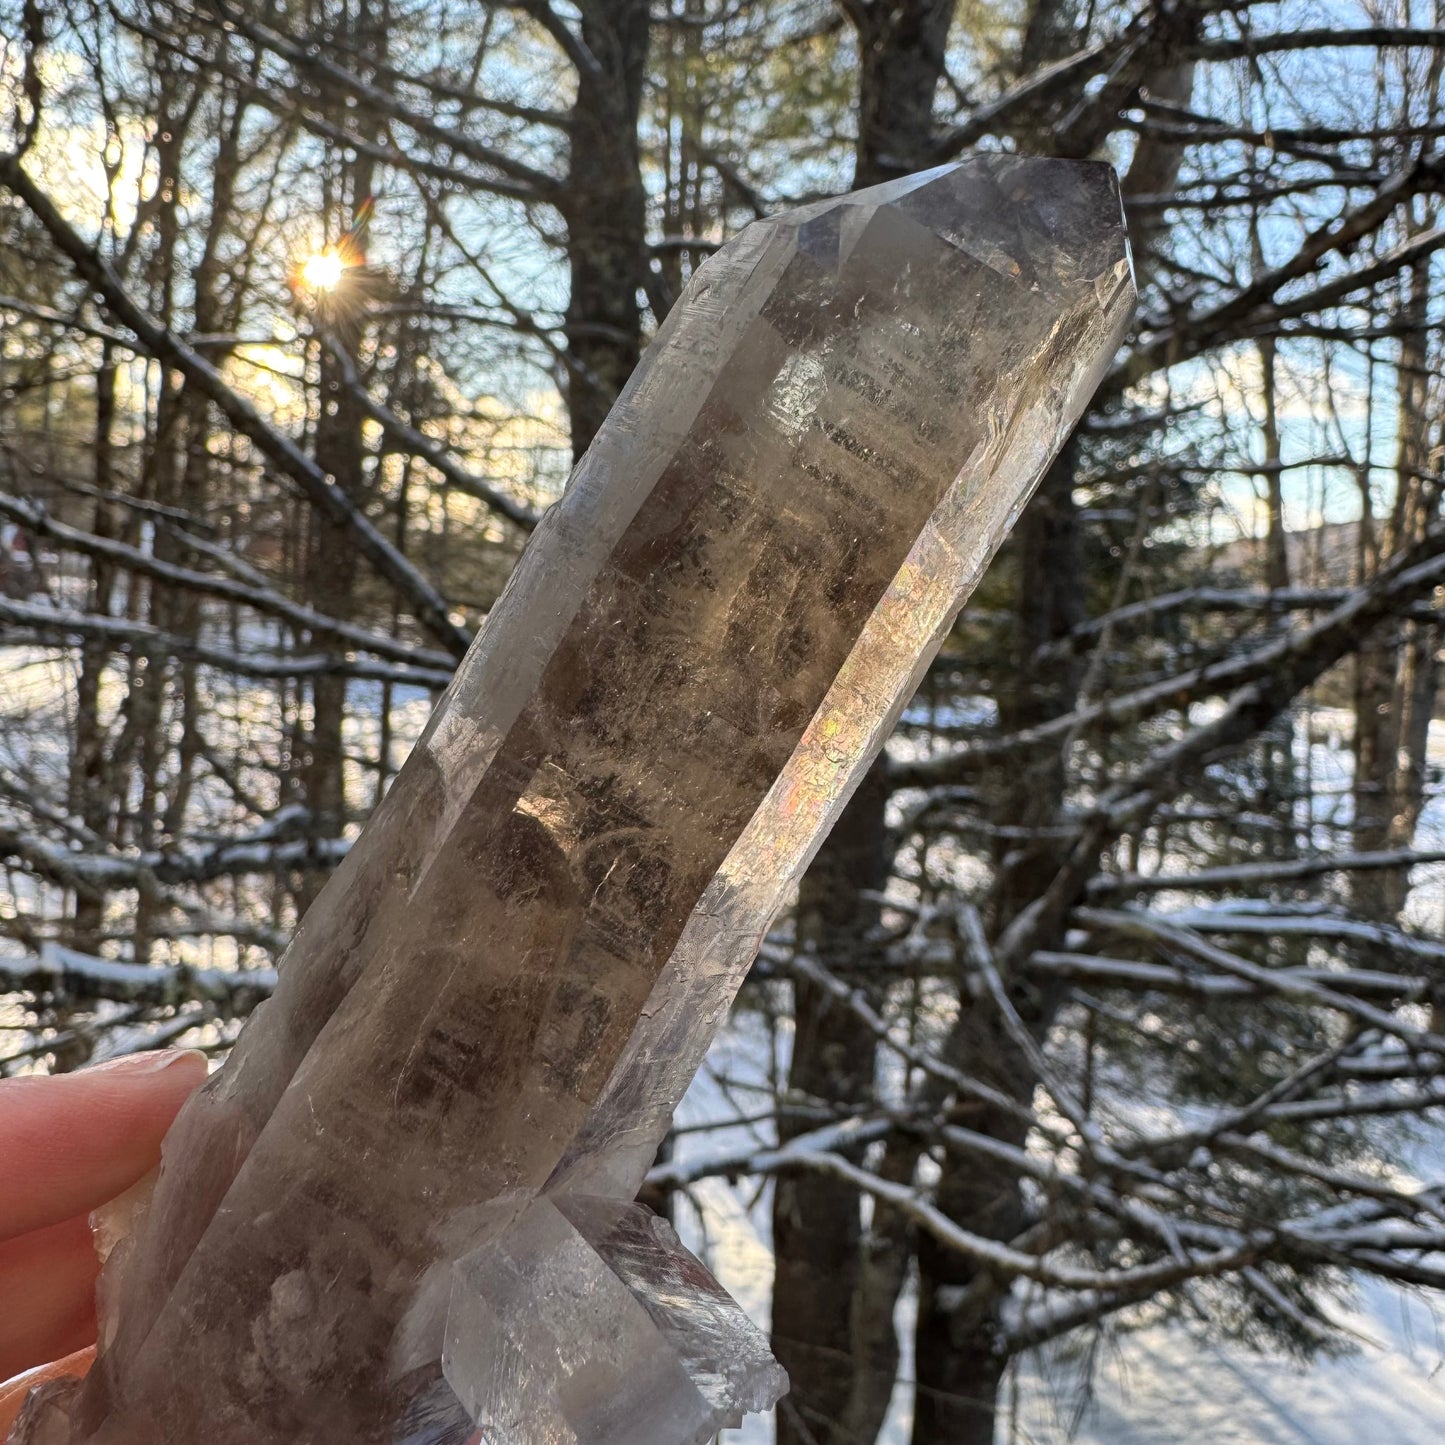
point(1118, 995)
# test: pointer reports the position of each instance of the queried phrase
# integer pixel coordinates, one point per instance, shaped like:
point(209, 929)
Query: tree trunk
point(901, 51)
point(89, 797)
point(145, 739)
point(959, 1366)
point(817, 1221)
point(605, 207)
point(1277, 742)
point(340, 450)
point(1397, 676)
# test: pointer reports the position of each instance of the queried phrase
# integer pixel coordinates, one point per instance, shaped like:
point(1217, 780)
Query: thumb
point(73, 1141)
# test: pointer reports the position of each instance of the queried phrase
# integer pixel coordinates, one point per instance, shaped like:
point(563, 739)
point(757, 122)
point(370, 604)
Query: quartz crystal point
point(400, 1212)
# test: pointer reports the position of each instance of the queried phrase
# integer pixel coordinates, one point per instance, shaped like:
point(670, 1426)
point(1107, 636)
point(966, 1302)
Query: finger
point(13, 1392)
point(72, 1141)
point(47, 1280)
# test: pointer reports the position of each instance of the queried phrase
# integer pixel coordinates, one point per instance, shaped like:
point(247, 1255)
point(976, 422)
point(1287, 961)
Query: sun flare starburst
point(323, 270)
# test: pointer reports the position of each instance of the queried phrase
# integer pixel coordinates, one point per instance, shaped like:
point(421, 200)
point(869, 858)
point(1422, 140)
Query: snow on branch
point(1239, 875)
point(57, 627)
point(76, 868)
point(1285, 982)
point(59, 972)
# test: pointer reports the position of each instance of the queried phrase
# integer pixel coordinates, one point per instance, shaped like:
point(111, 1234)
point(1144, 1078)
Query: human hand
point(68, 1144)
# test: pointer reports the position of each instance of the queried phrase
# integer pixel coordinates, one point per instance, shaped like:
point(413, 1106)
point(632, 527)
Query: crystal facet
point(401, 1209)
point(587, 1323)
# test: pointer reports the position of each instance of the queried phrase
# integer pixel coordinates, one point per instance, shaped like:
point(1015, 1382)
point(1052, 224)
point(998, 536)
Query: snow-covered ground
point(1163, 1385)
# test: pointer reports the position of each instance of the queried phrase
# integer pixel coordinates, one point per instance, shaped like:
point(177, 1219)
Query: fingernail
point(154, 1061)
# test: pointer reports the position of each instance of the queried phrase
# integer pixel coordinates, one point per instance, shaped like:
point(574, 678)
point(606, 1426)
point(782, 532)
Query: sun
point(323, 270)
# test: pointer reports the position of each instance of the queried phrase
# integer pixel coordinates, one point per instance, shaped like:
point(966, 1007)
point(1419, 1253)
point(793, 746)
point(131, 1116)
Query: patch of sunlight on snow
point(1164, 1385)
